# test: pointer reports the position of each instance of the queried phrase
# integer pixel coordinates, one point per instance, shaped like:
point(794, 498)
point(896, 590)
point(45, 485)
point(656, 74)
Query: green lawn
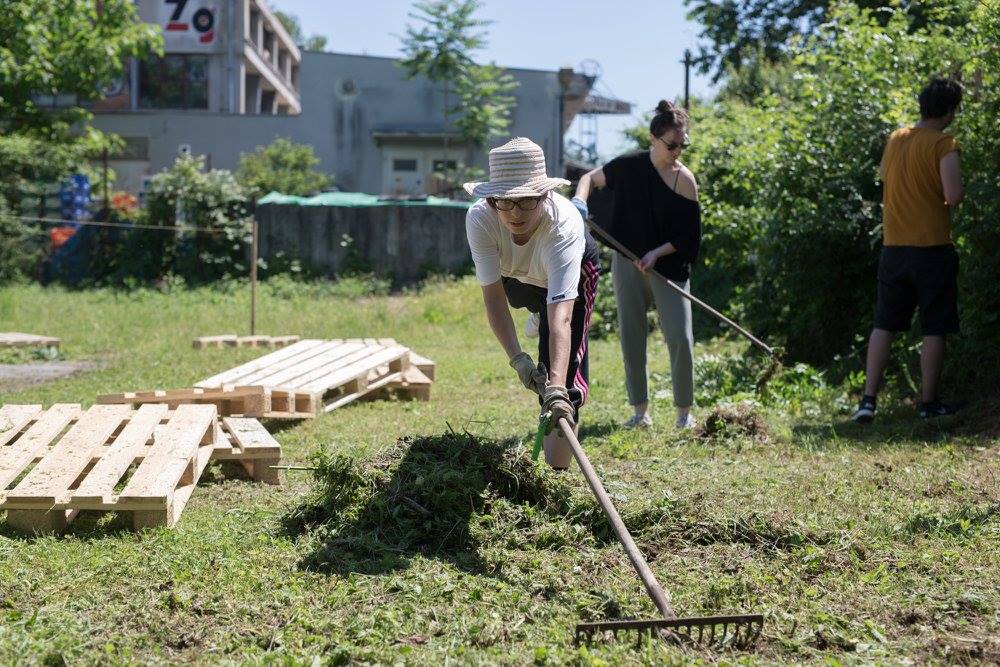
point(859, 546)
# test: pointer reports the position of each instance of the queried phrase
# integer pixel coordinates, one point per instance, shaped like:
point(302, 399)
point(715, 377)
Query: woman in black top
point(655, 214)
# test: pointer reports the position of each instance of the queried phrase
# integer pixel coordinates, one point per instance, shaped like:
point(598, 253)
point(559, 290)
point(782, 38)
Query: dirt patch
point(982, 418)
point(19, 376)
point(733, 421)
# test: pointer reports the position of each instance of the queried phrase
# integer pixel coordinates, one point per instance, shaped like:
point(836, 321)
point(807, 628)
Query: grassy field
point(859, 545)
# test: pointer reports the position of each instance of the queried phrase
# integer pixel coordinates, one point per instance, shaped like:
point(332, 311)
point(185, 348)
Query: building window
point(404, 165)
point(174, 82)
point(444, 165)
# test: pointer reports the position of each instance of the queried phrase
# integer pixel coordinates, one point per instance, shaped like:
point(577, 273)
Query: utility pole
point(254, 250)
point(688, 61)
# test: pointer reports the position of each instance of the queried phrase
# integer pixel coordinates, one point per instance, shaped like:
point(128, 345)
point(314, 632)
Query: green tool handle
point(543, 427)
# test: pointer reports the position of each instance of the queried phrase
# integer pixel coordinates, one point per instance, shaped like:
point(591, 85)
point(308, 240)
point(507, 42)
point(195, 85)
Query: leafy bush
point(27, 165)
point(20, 246)
point(282, 166)
point(790, 184)
point(186, 195)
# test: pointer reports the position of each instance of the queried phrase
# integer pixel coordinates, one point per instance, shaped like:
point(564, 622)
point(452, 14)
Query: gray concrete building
point(372, 129)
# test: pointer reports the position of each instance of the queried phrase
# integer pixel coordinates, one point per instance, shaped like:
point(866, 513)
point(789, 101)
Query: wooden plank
point(233, 375)
point(130, 444)
point(18, 339)
point(426, 366)
point(282, 341)
point(35, 441)
point(214, 341)
point(291, 377)
point(319, 382)
point(13, 418)
point(251, 437)
point(413, 383)
point(232, 340)
point(40, 521)
point(260, 450)
point(49, 481)
point(166, 396)
point(304, 358)
point(253, 341)
point(175, 446)
point(363, 387)
point(359, 368)
point(184, 491)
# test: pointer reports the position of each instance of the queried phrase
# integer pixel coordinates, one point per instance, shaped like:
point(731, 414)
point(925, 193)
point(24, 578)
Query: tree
point(737, 33)
point(791, 192)
point(294, 28)
point(282, 166)
point(72, 49)
point(484, 102)
point(441, 49)
point(314, 43)
point(61, 49)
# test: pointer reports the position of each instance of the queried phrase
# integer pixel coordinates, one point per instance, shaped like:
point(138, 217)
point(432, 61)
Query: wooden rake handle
point(621, 532)
point(611, 241)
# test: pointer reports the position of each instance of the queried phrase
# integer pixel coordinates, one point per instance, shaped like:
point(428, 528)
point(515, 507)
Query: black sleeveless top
point(646, 213)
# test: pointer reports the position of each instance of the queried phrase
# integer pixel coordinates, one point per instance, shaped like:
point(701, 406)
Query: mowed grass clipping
point(428, 535)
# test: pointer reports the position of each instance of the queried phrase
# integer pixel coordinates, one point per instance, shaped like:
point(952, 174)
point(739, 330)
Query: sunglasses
point(671, 146)
point(527, 204)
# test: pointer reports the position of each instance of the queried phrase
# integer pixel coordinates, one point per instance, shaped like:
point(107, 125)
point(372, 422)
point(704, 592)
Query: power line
point(125, 225)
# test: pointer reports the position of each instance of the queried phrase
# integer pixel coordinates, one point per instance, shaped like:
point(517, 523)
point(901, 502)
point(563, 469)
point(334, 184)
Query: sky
point(639, 49)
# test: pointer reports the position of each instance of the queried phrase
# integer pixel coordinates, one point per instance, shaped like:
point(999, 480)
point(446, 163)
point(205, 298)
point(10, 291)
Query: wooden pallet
point(301, 381)
point(255, 401)
point(232, 340)
point(17, 339)
point(146, 463)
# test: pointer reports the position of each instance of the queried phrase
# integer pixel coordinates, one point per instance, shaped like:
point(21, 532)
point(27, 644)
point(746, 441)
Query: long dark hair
point(668, 117)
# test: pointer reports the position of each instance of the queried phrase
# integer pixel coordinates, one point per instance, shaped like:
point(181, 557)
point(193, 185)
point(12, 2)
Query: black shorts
point(522, 295)
point(911, 277)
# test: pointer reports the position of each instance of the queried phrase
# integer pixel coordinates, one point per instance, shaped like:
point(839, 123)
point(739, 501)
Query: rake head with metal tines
point(739, 631)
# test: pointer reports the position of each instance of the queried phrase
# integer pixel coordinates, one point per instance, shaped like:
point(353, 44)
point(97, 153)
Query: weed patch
point(740, 420)
point(442, 496)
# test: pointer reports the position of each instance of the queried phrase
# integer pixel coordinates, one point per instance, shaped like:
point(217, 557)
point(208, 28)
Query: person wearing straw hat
point(531, 250)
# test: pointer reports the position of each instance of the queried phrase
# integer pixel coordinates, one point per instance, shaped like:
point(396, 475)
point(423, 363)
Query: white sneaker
point(531, 326)
point(686, 422)
point(638, 421)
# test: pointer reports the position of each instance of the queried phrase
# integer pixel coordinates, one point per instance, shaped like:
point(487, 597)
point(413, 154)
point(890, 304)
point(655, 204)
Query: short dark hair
point(939, 98)
point(668, 117)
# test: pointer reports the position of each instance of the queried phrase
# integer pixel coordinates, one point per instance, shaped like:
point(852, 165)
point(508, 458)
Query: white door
point(403, 173)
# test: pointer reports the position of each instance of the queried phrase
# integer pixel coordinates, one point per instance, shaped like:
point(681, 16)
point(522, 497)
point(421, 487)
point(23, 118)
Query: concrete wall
point(340, 126)
point(404, 242)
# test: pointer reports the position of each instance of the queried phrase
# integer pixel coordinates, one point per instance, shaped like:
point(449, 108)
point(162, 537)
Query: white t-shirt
point(550, 259)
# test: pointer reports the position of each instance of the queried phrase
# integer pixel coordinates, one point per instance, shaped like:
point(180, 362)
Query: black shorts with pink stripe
point(522, 295)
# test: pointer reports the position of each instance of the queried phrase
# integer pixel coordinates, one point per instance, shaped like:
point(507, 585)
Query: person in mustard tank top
point(918, 266)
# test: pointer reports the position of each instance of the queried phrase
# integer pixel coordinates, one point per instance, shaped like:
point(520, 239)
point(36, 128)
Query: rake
point(735, 631)
point(773, 353)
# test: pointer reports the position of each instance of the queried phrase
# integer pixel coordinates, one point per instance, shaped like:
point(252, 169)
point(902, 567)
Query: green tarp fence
point(356, 200)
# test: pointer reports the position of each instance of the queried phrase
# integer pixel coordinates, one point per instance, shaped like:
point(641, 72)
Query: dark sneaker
point(865, 412)
point(936, 409)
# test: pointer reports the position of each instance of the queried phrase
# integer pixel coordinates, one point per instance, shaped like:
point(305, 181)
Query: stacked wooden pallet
point(303, 380)
point(232, 340)
point(18, 339)
point(111, 458)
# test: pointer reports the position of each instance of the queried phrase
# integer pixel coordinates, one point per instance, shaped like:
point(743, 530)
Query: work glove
point(581, 206)
point(531, 376)
point(555, 401)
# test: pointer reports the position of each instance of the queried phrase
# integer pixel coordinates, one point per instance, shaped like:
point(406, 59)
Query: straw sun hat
point(517, 169)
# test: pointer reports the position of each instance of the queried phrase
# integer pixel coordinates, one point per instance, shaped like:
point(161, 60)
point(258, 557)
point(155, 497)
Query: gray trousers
point(635, 293)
